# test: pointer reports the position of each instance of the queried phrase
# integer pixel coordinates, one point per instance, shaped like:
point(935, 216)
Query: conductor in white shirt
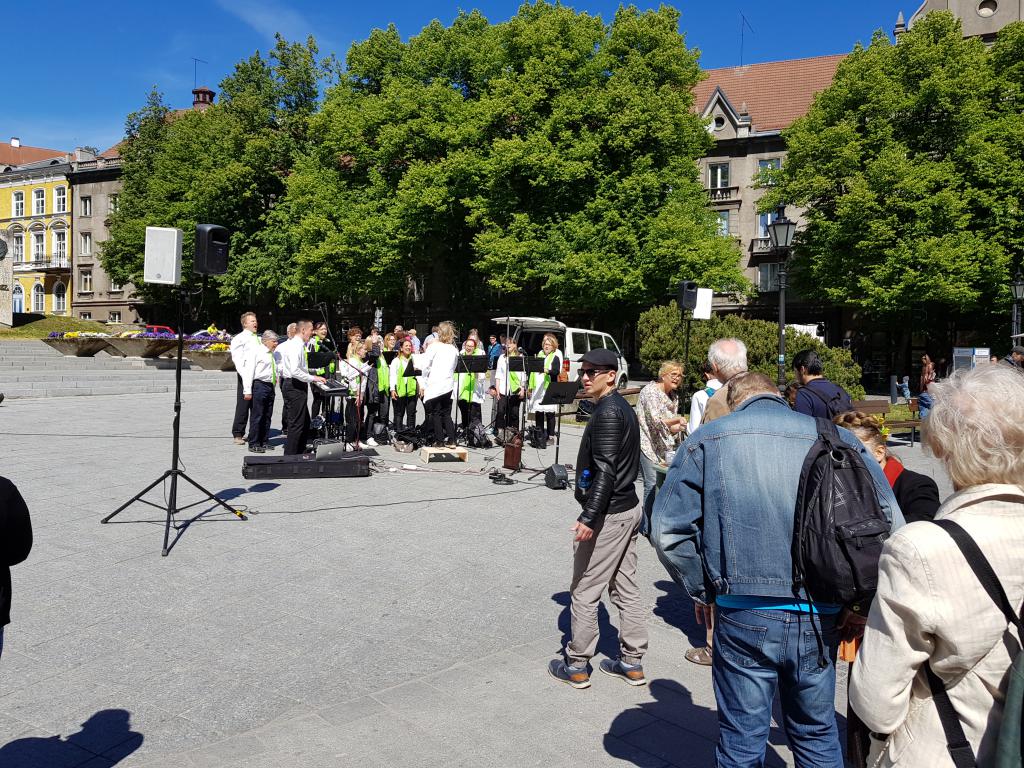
point(295, 381)
point(241, 357)
point(438, 368)
point(258, 386)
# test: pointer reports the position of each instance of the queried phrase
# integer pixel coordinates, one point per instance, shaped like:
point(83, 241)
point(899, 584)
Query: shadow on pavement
point(681, 733)
point(107, 733)
point(608, 635)
point(675, 608)
point(233, 493)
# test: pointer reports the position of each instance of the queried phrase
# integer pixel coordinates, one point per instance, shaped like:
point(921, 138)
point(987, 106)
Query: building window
point(718, 175)
point(18, 300)
point(38, 246)
point(19, 248)
point(38, 202)
point(115, 317)
point(18, 203)
point(85, 315)
point(87, 243)
point(60, 245)
point(85, 281)
point(772, 164)
point(763, 220)
point(60, 200)
point(768, 277)
point(60, 299)
point(38, 298)
point(115, 287)
point(723, 223)
point(86, 204)
point(112, 206)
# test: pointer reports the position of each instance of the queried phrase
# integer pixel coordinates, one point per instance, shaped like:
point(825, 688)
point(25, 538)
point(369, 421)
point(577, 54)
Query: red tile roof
point(20, 155)
point(776, 93)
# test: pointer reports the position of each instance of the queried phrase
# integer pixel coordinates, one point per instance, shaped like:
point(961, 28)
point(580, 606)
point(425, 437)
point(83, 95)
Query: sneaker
point(257, 449)
point(577, 677)
point(633, 674)
point(268, 447)
point(700, 656)
point(239, 441)
point(451, 446)
point(370, 442)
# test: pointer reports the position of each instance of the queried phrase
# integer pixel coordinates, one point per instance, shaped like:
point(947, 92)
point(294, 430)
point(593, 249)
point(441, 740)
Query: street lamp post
point(781, 232)
point(1017, 288)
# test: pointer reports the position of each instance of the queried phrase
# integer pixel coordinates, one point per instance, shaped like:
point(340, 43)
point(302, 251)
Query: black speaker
point(556, 477)
point(687, 294)
point(211, 256)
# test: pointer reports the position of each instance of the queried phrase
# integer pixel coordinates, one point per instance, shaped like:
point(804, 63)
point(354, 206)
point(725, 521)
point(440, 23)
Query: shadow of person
point(669, 726)
point(675, 608)
point(608, 634)
point(107, 733)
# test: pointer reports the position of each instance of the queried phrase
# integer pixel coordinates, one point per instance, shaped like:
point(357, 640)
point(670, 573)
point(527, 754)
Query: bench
point(882, 407)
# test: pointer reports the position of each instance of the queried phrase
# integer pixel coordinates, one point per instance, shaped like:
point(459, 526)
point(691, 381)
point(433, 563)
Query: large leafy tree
point(551, 155)
point(226, 165)
point(911, 167)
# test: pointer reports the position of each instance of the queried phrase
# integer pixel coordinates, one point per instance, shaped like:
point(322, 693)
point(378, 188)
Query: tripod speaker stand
point(174, 473)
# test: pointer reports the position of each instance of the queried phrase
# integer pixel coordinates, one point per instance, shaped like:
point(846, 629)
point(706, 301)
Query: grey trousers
point(608, 560)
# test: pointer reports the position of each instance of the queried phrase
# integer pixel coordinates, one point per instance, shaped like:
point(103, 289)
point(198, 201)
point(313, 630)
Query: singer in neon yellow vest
point(545, 415)
point(404, 388)
point(510, 388)
point(469, 389)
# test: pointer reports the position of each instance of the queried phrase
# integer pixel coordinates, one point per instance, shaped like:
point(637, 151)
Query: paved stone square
point(399, 620)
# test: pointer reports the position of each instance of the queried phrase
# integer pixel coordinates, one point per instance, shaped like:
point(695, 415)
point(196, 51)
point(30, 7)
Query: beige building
point(96, 186)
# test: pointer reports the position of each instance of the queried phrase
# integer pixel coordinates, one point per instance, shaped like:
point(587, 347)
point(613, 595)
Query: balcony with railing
point(722, 194)
point(761, 245)
point(44, 263)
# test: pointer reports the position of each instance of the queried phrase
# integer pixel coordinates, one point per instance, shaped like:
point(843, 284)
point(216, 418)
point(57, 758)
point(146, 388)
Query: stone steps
point(31, 369)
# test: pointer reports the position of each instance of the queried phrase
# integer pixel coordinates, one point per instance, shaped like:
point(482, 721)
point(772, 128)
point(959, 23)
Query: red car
point(159, 329)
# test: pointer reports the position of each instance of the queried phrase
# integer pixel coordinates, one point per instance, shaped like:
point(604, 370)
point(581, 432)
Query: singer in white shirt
point(240, 357)
point(258, 383)
point(438, 366)
point(296, 379)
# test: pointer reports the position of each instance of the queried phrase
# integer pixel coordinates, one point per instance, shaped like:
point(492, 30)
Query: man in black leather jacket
point(605, 533)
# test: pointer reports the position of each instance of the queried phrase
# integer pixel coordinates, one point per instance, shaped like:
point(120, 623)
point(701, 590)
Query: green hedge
point(662, 337)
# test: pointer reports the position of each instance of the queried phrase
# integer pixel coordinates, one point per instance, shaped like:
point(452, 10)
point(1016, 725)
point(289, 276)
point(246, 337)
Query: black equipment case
point(304, 466)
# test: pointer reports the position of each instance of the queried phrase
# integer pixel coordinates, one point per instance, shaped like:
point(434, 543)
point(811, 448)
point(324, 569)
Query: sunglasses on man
point(592, 372)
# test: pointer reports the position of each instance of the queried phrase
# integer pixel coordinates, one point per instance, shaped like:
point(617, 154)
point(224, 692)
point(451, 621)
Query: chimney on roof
point(901, 25)
point(15, 142)
point(202, 98)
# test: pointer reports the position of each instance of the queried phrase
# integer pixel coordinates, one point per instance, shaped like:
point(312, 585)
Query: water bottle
point(584, 480)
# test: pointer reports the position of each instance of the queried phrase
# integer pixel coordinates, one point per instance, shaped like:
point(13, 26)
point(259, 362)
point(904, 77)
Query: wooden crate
point(430, 455)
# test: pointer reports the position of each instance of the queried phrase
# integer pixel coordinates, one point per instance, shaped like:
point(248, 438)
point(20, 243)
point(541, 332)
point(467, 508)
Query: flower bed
point(211, 360)
point(77, 343)
point(143, 344)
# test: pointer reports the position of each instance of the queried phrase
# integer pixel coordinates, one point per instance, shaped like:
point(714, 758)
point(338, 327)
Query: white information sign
point(703, 309)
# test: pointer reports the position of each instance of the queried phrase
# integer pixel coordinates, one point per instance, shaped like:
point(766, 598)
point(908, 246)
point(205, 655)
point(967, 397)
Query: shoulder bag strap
point(956, 741)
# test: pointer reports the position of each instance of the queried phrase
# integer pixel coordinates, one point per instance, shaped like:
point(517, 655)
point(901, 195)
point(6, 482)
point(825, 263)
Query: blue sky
point(77, 69)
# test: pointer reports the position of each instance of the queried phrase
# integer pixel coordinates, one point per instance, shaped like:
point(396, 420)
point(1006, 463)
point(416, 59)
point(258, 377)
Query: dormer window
point(718, 123)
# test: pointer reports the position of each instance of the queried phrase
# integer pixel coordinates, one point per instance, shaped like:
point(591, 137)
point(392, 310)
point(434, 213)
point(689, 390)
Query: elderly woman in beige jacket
point(930, 606)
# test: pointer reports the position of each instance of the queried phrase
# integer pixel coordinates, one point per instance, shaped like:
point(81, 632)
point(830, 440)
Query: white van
point(574, 342)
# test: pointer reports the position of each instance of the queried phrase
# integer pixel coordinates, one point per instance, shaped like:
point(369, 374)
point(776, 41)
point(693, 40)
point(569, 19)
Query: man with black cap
point(605, 533)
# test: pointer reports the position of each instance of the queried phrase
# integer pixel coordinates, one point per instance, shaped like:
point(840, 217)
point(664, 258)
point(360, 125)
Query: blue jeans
point(924, 405)
point(756, 652)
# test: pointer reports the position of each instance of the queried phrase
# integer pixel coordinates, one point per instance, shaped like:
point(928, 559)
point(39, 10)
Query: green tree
point(226, 165)
point(663, 337)
point(552, 155)
point(911, 168)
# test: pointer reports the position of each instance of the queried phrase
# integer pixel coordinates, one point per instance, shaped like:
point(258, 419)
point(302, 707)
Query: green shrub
point(662, 337)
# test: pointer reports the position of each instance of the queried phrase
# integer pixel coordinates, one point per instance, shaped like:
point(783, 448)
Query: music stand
point(559, 393)
point(389, 355)
point(468, 364)
point(524, 365)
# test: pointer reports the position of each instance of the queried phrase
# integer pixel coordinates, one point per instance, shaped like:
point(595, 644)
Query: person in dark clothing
point(15, 544)
point(605, 533)
point(917, 494)
point(817, 395)
point(321, 360)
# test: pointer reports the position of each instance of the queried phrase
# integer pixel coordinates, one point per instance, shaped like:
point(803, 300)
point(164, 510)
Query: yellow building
point(35, 221)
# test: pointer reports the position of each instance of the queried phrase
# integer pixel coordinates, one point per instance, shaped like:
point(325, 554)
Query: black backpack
point(838, 525)
point(838, 402)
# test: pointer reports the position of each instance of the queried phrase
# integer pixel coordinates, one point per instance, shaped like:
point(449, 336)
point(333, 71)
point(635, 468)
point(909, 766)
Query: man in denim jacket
point(723, 527)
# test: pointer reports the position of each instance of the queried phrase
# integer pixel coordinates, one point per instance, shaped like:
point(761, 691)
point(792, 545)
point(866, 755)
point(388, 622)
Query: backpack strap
point(956, 740)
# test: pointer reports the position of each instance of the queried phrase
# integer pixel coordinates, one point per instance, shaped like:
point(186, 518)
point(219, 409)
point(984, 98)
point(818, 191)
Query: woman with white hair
point(933, 627)
point(438, 368)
